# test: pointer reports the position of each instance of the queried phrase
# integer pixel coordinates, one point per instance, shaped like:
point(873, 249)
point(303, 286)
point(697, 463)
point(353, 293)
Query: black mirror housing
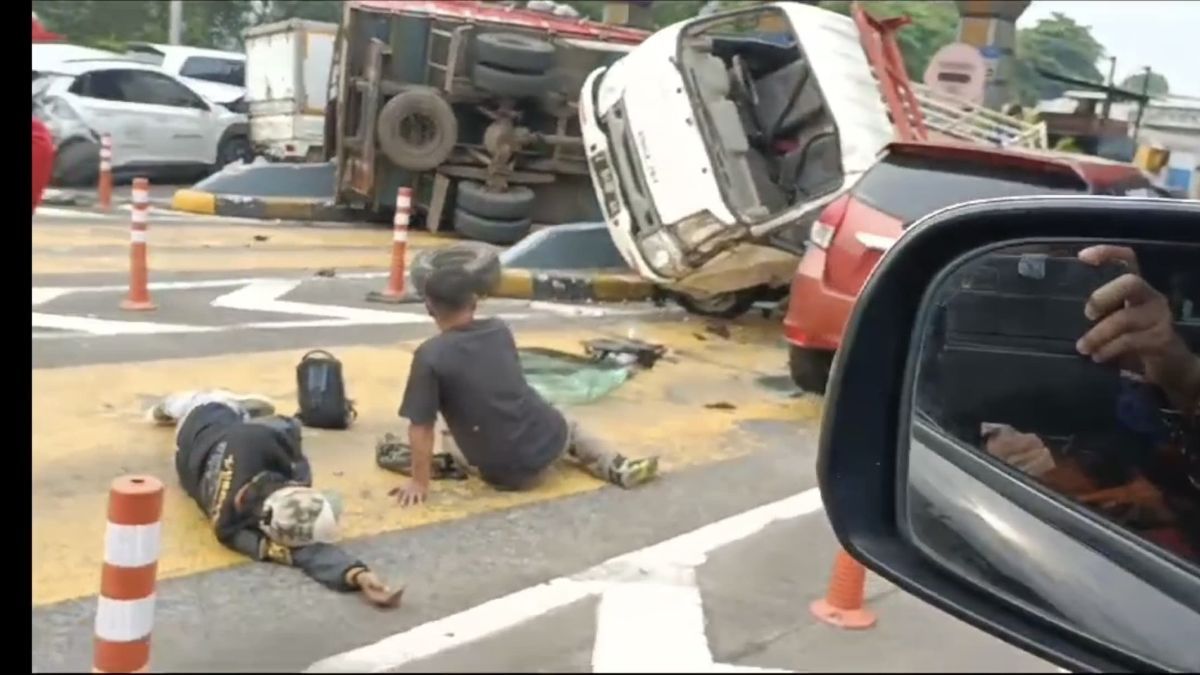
point(866, 420)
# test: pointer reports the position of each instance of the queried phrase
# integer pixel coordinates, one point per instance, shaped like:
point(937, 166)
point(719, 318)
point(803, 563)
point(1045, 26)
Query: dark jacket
point(218, 454)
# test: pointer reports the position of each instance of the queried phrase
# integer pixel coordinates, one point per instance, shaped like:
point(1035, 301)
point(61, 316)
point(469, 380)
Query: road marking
point(263, 296)
point(83, 324)
point(679, 555)
point(202, 283)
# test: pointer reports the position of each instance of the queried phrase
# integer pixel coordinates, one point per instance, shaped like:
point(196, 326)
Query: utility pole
point(1137, 126)
point(1108, 95)
point(175, 23)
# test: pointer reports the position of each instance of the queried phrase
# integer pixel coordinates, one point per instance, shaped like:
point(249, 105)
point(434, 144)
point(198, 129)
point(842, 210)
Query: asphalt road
point(732, 434)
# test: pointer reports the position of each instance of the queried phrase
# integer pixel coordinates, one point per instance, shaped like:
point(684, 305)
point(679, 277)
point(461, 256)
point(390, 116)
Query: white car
point(46, 56)
point(715, 143)
point(157, 123)
point(219, 76)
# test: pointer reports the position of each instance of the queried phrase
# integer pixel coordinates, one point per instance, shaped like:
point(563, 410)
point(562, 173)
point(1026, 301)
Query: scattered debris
point(700, 337)
point(644, 354)
point(718, 329)
point(720, 405)
point(326, 272)
point(261, 237)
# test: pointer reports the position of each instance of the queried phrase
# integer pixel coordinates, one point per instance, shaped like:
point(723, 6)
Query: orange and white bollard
point(843, 605)
point(139, 274)
point(104, 187)
point(125, 608)
point(395, 291)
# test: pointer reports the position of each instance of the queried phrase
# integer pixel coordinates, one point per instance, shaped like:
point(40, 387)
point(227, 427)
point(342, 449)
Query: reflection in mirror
point(1073, 370)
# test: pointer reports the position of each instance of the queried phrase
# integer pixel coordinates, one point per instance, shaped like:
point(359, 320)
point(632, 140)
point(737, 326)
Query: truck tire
point(480, 260)
point(514, 52)
point(76, 164)
point(508, 83)
point(490, 230)
point(722, 305)
point(475, 198)
point(809, 368)
point(417, 129)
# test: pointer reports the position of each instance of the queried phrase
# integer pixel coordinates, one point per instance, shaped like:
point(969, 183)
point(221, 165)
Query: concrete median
point(263, 208)
point(573, 286)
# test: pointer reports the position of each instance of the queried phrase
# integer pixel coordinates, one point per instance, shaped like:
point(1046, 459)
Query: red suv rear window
point(909, 187)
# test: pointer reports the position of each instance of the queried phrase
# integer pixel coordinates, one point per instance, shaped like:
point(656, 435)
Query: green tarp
point(568, 379)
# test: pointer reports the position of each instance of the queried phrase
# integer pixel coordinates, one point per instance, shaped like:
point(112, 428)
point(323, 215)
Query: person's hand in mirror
point(1025, 452)
point(1134, 328)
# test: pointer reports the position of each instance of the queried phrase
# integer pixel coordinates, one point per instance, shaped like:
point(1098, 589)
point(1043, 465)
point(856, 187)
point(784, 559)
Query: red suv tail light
point(827, 224)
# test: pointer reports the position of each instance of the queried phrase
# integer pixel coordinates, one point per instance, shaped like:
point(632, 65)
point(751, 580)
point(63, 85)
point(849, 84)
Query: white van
point(715, 143)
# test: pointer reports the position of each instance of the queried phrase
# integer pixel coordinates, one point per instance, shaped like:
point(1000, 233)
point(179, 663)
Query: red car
point(909, 181)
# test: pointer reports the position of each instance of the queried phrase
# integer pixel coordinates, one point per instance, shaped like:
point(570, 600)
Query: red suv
point(909, 181)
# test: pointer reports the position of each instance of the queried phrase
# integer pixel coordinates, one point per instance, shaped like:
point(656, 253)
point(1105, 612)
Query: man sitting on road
point(244, 467)
point(499, 426)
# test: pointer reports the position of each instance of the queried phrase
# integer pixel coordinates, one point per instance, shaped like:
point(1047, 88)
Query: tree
point(1057, 44)
point(1157, 85)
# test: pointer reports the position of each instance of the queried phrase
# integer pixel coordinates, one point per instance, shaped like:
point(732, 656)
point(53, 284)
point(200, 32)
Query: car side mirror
point(1012, 426)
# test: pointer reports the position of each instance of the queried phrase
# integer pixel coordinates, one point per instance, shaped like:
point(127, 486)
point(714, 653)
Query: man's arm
point(420, 408)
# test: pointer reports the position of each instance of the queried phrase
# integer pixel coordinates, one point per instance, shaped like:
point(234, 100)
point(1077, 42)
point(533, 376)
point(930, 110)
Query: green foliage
point(1157, 86)
point(1060, 45)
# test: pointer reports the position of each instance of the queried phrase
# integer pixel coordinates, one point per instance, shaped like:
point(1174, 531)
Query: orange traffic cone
point(842, 605)
point(138, 299)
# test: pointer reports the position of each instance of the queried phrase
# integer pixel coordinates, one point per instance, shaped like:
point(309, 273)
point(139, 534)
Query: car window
point(223, 71)
point(1075, 367)
point(910, 187)
point(136, 86)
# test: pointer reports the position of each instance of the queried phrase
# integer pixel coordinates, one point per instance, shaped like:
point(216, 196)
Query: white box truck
point(287, 86)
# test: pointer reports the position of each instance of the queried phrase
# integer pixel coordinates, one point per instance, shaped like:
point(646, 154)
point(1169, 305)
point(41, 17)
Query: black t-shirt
point(472, 375)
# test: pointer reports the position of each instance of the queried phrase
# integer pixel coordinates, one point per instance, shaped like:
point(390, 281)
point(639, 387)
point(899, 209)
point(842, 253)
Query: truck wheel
point(480, 260)
point(514, 52)
point(417, 129)
point(490, 230)
point(507, 83)
point(809, 368)
point(475, 198)
point(76, 164)
point(720, 306)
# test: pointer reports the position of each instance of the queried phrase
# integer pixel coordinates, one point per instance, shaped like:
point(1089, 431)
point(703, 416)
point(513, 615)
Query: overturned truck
point(472, 105)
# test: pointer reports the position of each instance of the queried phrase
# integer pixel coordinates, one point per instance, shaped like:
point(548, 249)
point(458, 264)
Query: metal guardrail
point(959, 118)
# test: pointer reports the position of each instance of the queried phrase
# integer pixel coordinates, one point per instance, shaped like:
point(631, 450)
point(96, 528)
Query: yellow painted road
point(100, 248)
point(88, 428)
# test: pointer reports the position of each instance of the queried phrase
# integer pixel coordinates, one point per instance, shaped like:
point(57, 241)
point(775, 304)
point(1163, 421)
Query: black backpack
point(322, 392)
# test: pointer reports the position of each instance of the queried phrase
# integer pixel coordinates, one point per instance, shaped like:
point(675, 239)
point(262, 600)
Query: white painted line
point(54, 212)
point(262, 296)
point(651, 627)
point(680, 554)
point(44, 295)
point(205, 283)
point(108, 327)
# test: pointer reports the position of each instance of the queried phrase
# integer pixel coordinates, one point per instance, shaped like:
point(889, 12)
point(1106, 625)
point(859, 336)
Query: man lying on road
point(244, 467)
point(499, 426)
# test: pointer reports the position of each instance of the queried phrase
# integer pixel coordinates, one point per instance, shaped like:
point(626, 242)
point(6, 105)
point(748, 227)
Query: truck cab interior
point(769, 129)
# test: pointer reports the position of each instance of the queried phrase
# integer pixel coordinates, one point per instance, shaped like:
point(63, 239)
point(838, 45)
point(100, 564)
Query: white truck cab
point(718, 134)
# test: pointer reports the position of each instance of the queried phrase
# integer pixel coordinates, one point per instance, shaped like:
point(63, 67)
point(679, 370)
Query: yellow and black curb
point(262, 208)
point(573, 286)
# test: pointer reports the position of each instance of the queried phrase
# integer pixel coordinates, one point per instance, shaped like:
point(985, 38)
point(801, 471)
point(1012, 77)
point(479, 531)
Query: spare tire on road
point(491, 230)
point(515, 52)
point(417, 129)
point(507, 83)
point(481, 261)
point(516, 202)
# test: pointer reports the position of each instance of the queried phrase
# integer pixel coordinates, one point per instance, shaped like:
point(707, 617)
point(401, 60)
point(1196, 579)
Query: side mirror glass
point(1054, 437)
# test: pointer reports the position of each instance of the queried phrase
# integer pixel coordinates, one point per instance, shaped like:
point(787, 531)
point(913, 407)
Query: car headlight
point(662, 254)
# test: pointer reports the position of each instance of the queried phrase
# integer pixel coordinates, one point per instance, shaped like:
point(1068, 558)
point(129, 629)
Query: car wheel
point(76, 164)
point(720, 306)
point(480, 260)
point(514, 52)
point(233, 149)
point(490, 230)
point(810, 368)
point(515, 203)
point(507, 83)
point(417, 129)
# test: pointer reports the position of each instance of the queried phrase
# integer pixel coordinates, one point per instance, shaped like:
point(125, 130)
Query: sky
point(1161, 34)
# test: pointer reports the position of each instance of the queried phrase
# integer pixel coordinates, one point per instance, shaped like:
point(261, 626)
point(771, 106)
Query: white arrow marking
point(262, 296)
point(680, 553)
point(107, 327)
